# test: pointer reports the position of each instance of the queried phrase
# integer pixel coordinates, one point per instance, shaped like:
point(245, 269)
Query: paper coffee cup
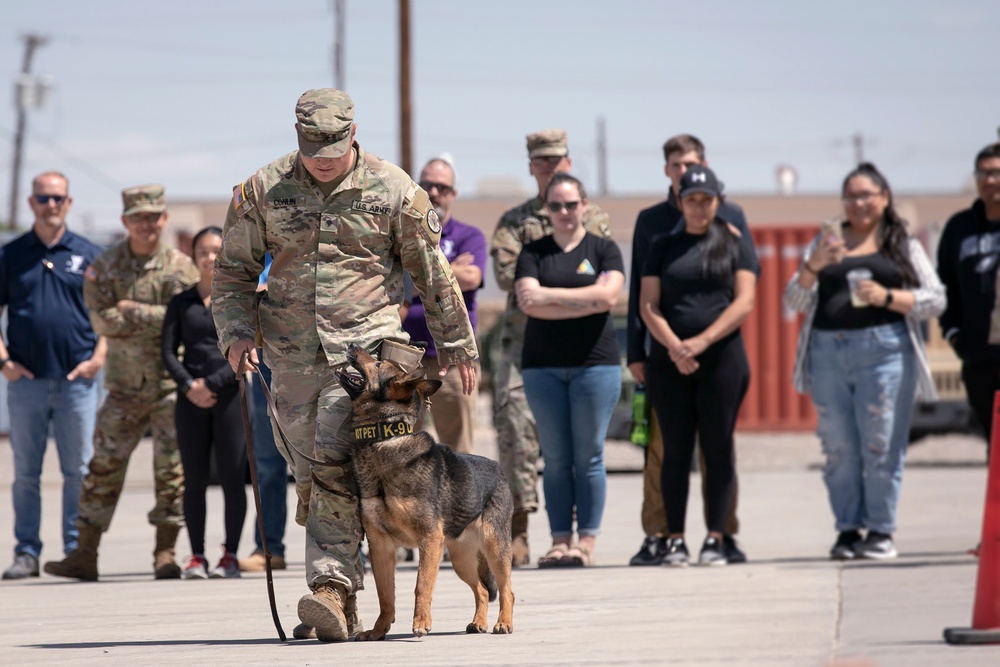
point(854, 278)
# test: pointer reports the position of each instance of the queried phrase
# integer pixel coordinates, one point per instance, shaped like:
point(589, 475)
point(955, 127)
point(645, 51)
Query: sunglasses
point(44, 199)
point(556, 206)
point(442, 189)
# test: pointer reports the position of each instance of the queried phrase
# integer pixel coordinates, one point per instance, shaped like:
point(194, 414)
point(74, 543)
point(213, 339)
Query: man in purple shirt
point(464, 247)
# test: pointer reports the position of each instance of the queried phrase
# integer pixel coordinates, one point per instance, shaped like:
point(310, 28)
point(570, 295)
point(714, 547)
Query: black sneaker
point(845, 546)
point(734, 555)
point(651, 552)
point(677, 553)
point(712, 552)
point(877, 546)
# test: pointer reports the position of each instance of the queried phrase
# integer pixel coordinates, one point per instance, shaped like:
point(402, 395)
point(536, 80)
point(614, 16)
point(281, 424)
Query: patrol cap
point(699, 178)
point(325, 117)
point(547, 143)
point(143, 199)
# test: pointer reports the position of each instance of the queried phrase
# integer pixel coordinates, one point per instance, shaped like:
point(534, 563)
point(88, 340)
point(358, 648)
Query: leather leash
point(245, 378)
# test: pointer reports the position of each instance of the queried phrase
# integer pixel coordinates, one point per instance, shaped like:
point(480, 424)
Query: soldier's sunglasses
point(556, 206)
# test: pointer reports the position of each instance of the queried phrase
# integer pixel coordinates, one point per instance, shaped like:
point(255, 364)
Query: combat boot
point(164, 561)
point(519, 539)
point(324, 611)
point(81, 563)
point(354, 624)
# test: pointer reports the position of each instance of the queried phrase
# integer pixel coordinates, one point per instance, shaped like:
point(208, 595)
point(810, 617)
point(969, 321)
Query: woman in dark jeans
point(209, 414)
point(697, 288)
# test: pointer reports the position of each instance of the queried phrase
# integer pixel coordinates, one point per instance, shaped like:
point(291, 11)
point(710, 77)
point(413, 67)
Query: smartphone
point(832, 228)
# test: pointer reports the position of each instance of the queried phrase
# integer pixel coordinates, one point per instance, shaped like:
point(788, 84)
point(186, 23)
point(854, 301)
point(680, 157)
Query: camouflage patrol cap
point(547, 143)
point(143, 199)
point(325, 117)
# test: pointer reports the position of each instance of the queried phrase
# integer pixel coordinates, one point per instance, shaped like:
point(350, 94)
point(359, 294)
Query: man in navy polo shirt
point(464, 246)
point(50, 359)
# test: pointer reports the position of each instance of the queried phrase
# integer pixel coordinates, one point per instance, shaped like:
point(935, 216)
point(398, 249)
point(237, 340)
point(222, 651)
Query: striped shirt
point(929, 302)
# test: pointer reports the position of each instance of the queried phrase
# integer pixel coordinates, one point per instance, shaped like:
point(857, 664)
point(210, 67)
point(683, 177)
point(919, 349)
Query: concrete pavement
point(788, 606)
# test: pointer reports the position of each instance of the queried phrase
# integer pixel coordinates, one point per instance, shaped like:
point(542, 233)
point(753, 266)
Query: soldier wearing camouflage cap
point(341, 225)
point(517, 439)
point(127, 289)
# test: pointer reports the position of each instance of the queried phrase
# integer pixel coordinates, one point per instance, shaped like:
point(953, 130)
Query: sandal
point(554, 556)
point(577, 557)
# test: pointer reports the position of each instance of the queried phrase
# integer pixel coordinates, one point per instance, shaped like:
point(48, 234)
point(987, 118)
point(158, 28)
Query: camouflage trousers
point(121, 423)
point(517, 437)
point(453, 413)
point(312, 408)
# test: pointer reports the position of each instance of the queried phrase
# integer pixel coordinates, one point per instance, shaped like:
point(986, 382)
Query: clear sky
point(197, 95)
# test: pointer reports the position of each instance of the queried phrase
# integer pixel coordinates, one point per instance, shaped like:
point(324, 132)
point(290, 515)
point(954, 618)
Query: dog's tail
point(486, 577)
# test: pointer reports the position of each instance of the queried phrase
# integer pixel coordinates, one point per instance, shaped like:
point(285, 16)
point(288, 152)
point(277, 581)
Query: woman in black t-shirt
point(209, 416)
point(567, 284)
point(864, 285)
point(697, 288)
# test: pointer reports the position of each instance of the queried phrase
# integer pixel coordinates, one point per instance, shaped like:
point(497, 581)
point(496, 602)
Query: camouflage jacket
point(134, 364)
point(337, 263)
point(518, 227)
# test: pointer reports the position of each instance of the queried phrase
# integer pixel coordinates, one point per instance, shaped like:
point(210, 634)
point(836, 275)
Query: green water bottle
point(640, 417)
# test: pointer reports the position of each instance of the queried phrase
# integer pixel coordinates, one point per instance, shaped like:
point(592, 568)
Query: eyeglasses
point(44, 199)
point(557, 207)
point(442, 189)
point(860, 198)
point(986, 174)
point(550, 160)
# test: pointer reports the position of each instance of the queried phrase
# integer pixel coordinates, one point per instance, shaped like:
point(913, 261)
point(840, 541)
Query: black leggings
point(982, 380)
point(705, 403)
point(199, 431)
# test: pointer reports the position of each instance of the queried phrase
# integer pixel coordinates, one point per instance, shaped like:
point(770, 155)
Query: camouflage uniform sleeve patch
point(241, 202)
point(427, 218)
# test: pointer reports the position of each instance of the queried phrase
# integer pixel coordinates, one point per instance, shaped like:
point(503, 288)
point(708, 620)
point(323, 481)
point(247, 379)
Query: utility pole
point(602, 157)
point(23, 99)
point(405, 141)
point(338, 44)
point(859, 147)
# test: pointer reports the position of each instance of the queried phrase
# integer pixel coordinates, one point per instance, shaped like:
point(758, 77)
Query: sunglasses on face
point(547, 160)
point(557, 207)
point(443, 190)
point(44, 199)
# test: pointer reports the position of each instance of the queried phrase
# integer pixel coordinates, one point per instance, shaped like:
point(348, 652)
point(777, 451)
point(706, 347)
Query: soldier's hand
point(467, 369)
point(236, 351)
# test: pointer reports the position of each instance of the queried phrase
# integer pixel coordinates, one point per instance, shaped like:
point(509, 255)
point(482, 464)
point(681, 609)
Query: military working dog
point(418, 493)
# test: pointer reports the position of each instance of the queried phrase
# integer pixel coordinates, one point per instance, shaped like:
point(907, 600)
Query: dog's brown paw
point(502, 628)
point(421, 630)
point(475, 628)
point(370, 636)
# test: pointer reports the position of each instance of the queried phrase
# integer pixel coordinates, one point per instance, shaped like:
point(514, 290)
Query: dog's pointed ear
point(426, 387)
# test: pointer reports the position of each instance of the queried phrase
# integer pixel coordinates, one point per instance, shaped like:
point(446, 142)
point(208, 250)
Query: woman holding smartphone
point(860, 356)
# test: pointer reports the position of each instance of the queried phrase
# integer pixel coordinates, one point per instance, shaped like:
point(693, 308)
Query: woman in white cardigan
point(864, 285)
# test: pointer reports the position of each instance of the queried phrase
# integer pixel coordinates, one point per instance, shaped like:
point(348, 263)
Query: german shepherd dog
point(419, 493)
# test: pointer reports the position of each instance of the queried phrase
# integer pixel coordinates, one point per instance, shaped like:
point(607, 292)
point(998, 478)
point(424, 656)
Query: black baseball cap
point(699, 178)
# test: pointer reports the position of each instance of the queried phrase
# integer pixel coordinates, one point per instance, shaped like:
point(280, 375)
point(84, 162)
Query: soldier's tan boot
point(81, 563)
point(354, 624)
point(520, 555)
point(164, 557)
point(324, 612)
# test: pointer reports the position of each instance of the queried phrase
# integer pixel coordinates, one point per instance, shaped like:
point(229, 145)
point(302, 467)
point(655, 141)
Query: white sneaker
point(228, 567)
point(195, 568)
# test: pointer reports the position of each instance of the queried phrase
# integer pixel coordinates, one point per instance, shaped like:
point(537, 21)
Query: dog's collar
point(381, 430)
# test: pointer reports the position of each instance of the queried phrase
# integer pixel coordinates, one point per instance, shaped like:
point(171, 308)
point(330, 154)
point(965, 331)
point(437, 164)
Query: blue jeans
point(863, 383)
point(71, 408)
point(272, 473)
point(572, 408)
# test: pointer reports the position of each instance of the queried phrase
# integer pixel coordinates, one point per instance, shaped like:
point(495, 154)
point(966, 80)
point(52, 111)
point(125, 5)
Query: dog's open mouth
point(350, 379)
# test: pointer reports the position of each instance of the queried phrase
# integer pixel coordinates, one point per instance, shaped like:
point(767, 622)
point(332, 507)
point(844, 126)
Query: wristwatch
point(4, 362)
point(888, 298)
point(187, 385)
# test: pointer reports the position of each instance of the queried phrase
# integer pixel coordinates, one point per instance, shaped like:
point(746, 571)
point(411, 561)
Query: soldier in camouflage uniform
point(127, 289)
point(341, 225)
point(517, 440)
